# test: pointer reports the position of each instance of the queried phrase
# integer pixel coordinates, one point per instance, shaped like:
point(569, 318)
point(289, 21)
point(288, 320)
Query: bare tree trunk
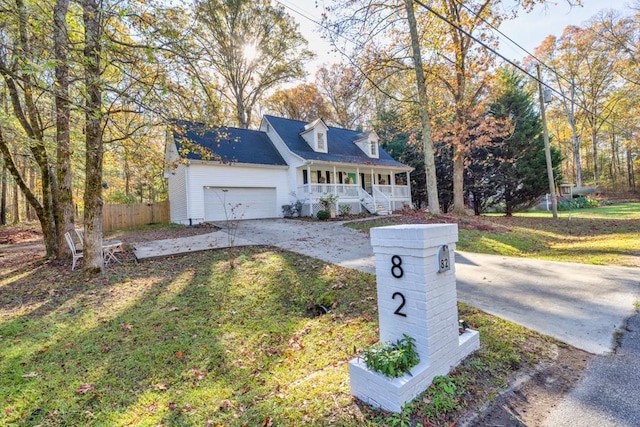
point(594, 140)
point(3, 196)
point(630, 171)
point(62, 190)
point(423, 102)
point(241, 117)
point(574, 137)
point(31, 215)
point(614, 159)
point(15, 215)
point(458, 180)
point(127, 175)
point(93, 260)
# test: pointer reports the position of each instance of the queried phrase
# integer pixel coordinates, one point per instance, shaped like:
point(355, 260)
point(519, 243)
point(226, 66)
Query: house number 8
point(396, 270)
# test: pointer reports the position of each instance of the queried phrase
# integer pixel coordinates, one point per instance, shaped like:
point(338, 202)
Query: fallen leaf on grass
point(268, 422)
point(226, 405)
point(126, 326)
point(31, 374)
point(179, 354)
point(84, 388)
point(199, 375)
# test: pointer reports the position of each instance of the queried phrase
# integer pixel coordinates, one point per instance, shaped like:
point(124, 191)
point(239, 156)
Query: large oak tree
point(253, 46)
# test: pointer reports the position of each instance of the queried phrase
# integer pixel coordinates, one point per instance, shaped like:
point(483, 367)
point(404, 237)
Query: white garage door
point(240, 203)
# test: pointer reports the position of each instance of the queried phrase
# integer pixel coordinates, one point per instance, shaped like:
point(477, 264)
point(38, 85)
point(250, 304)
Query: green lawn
point(189, 341)
point(607, 235)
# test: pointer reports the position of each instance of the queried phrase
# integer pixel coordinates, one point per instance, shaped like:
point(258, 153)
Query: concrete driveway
point(582, 305)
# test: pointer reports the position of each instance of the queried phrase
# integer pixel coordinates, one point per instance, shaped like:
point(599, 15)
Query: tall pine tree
point(515, 165)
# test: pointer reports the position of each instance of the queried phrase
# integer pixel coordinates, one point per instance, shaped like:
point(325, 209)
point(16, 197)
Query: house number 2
point(402, 303)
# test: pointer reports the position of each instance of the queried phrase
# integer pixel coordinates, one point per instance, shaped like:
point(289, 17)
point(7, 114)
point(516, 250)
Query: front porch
point(379, 191)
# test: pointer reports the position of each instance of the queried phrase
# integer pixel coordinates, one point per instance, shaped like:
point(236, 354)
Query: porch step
point(381, 209)
point(375, 208)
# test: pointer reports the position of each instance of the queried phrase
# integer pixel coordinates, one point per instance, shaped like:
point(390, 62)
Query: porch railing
point(350, 191)
point(313, 191)
point(394, 191)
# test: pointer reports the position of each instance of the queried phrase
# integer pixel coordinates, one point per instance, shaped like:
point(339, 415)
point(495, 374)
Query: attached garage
point(240, 203)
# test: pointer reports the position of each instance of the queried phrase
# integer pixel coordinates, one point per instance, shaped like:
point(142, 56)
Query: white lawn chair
point(77, 253)
point(80, 235)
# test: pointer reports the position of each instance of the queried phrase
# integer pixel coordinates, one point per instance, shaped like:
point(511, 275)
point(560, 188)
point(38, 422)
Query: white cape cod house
point(224, 173)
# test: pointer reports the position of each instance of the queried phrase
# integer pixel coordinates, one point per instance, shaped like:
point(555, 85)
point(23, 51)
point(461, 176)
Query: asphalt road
point(608, 395)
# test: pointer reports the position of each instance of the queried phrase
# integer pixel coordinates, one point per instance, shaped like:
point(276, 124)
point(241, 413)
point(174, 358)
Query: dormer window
point(321, 143)
point(368, 143)
point(315, 134)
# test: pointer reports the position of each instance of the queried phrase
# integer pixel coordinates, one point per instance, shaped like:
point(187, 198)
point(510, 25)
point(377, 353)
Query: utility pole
point(547, 148)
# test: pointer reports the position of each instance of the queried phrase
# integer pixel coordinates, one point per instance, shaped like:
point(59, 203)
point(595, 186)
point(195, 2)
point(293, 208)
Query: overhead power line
point(480, 42)
point(513, 64)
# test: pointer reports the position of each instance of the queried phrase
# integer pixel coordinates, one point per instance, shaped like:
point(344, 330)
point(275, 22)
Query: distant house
point(221, 173)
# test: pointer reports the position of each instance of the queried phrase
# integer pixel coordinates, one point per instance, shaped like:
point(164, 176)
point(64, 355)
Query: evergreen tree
point(404, 148)
point(515, 168)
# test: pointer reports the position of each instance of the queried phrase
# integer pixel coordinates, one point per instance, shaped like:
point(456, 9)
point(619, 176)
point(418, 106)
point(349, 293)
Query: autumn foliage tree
point(252, 46)
point(302, 102)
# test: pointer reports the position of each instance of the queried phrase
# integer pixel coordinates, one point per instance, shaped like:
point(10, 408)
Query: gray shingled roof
point(340, 144)
point(229, 145)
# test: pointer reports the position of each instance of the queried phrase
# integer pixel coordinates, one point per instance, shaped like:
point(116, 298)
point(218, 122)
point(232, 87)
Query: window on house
point(328, 174)
point(339, 177)
point(321, 144)
point(373, 148)
point(305, 176)
point(319, 176)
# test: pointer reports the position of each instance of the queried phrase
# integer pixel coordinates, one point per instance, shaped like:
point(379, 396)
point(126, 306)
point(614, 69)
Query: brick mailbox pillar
point(416, 288)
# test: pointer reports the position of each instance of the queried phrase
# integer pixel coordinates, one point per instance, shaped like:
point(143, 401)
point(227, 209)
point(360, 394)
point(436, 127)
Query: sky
point(528, 30)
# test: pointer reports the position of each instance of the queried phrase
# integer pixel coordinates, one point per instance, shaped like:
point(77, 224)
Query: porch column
point(309, 189)
point(392, 178)
point(373, 194)
point(358, 185)
point(409, 188)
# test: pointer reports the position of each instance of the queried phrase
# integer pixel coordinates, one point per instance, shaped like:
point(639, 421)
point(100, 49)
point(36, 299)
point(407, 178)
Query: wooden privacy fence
point(116, 217)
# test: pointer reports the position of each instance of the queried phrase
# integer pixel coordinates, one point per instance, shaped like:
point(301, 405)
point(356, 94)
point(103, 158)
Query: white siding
point(178, 195)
